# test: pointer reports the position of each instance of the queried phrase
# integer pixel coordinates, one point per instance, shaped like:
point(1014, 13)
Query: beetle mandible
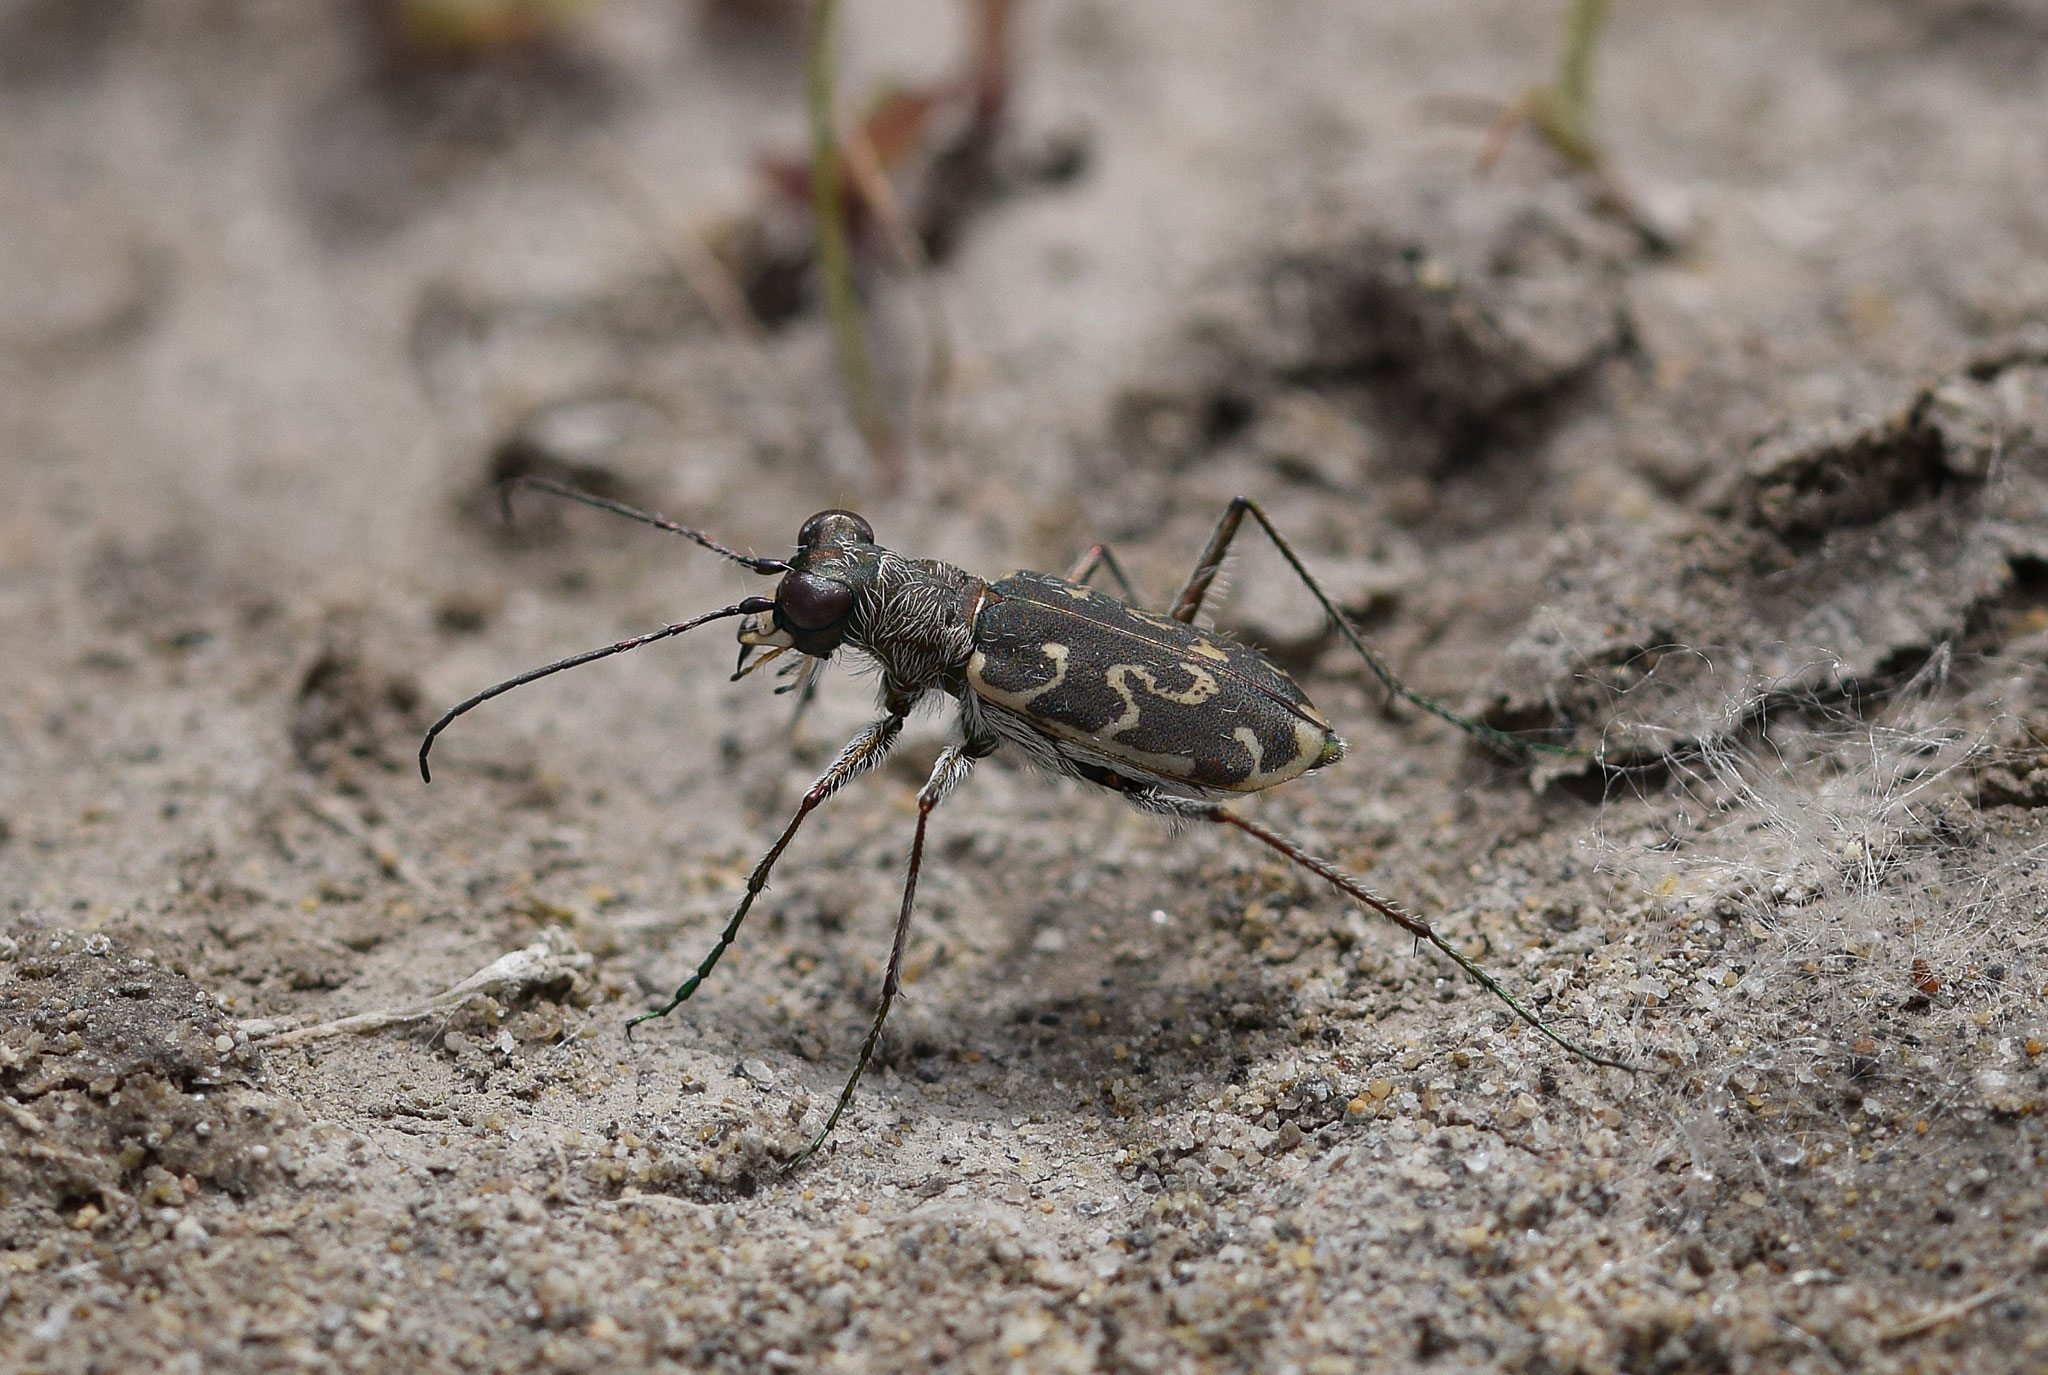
point(1170, 715)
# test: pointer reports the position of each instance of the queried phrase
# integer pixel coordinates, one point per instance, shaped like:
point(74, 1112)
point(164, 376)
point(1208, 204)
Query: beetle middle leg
point(954, 764)
point(862, 753)
point(1189, 603)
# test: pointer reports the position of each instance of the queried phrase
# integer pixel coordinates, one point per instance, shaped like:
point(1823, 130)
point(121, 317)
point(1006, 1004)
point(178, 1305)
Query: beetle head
point(816, 600)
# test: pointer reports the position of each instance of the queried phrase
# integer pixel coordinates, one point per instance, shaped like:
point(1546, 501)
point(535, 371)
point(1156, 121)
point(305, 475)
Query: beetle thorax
point(916, 619)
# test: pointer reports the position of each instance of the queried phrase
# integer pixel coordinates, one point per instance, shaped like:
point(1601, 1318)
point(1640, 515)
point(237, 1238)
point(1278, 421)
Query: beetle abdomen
point(1159, 696)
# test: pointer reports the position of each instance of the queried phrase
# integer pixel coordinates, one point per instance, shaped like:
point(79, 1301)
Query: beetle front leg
point(954, 764)
point(862, 753)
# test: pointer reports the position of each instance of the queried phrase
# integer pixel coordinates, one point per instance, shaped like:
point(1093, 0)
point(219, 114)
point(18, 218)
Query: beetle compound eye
point(820, 528)
point(809, 602)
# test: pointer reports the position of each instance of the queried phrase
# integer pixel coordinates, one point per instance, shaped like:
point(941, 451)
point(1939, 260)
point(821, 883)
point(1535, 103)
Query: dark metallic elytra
point(1154, 707)
point(1095, 673)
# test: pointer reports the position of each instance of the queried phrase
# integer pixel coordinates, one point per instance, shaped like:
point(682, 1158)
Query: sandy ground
point(1763, 517)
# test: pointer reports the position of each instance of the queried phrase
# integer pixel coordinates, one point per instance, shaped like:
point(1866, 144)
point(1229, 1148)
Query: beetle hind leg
point(1182, 810)
point(1202, 580)
point(1349, 885)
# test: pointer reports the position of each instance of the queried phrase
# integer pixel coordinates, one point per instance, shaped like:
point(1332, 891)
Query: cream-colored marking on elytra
point(1209, 651)
point(1312, 737)
point(1199, 690)
point(1157, 622)
point(1249, 738)
point(1309, 744)
point(1115, 678)
point(1201, 687)
point(1079, 594)
point(1017, 701)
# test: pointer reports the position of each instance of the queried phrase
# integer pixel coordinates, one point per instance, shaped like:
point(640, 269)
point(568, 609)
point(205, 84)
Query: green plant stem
point(1570, 104)
point(835, 259)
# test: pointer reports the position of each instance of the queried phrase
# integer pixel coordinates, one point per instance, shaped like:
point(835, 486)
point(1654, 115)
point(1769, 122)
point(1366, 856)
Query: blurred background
point(1666, 377)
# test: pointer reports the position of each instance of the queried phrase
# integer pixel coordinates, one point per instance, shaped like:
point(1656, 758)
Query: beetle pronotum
point(1170, 715)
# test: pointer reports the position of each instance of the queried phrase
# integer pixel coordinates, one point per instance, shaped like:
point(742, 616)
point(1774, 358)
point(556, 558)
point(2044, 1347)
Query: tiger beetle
point(1157, 708)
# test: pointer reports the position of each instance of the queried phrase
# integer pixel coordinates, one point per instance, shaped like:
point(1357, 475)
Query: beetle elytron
point(1149, 706)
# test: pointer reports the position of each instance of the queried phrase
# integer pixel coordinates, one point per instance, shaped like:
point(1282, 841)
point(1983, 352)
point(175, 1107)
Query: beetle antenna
point(619, 508)
point(752, 606)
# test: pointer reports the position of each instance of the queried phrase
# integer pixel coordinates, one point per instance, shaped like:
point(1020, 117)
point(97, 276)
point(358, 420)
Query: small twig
point(560, 1187)
point(546, 961)
point(681, 244)
point(835, 258)
point(658, 1202)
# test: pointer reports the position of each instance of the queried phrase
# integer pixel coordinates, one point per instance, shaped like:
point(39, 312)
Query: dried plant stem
point(865, 168)
point(681, 244)
point(835, 259)
point(551, 960)
point(1562, 113)
point(1946, 1314)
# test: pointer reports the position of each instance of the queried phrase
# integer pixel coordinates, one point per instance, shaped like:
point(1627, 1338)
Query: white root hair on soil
point(1832, 935)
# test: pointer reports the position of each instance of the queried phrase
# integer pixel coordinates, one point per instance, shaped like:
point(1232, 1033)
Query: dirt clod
point(121, 1079)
